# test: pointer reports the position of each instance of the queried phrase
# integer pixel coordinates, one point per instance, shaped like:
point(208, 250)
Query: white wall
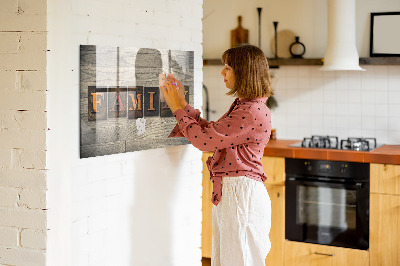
point(140, 208)
point(23, 133)
point(311, 102)
point(306, 19)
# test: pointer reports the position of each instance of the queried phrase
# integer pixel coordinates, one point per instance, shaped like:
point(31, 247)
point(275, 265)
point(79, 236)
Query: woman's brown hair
point(250, 66)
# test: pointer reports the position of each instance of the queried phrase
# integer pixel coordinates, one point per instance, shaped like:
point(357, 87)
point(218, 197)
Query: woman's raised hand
point(181, 91)
point(174, 93)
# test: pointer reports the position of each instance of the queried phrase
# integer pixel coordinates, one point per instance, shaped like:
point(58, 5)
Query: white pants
point(241, 223)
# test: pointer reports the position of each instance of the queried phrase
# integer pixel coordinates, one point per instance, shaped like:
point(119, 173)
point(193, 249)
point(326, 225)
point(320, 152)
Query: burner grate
point(358, 144)
point(332, 142)
point(327, 142)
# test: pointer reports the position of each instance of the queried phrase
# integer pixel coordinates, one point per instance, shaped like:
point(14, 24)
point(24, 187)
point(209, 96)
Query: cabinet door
point(274, 168)
point(277, 233)
point(385, 178)
point(384, 230)
point(304, 254)
point(206, 226)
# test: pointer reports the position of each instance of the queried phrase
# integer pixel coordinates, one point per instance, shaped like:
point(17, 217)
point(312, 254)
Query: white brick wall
point(22, 132)
point(100, 209)
point(8, 197)
point(23, 178)
point(9, 237)
point(11, 256)
point(140, 208)
point(34, 239)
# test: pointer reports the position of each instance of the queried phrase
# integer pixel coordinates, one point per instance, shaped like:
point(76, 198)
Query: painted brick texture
point(9, 237)
point(139, 208)
point(33, 239)
point(23, 126)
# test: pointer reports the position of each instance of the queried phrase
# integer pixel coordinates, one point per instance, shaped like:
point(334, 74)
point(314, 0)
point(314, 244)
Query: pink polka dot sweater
point(238, 139)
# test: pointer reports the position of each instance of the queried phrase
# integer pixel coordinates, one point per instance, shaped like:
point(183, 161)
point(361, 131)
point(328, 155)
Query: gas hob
point(332, 142)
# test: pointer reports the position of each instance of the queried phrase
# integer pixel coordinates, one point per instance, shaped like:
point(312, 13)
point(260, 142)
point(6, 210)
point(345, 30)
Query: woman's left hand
point(171, 94)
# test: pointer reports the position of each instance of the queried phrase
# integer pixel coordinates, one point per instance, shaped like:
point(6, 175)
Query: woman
point(242, 208)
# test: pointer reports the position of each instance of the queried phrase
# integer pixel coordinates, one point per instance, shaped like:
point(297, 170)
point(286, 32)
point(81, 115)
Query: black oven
point(327, 202)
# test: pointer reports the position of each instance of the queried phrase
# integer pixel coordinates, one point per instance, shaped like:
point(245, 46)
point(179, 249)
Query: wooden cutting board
point(239, 35)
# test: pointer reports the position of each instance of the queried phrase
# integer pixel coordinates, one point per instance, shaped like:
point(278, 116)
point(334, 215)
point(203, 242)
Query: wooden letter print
point(117, 102)
point(135, 102)
point(151, 101)
point(97, 103)
point(164, 109)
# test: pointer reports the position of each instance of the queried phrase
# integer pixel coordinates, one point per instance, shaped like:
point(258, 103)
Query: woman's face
point(229, 76)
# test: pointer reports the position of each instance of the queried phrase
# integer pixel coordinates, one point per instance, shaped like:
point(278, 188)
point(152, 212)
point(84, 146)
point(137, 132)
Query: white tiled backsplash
point(343, 103)
point(339, 103)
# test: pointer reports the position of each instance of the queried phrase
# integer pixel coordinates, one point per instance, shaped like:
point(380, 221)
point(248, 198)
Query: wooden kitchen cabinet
point(305, 254)
point(385, 215)
point(206, 225)
point(274, 168)
point(385, 178)
point(277, 233)
point(384, 236)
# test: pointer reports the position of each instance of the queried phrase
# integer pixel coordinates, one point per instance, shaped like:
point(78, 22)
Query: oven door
point(327, 213)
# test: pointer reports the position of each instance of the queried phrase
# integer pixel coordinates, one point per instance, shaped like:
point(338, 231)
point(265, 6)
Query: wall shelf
point(274, 63)
point(380, 61)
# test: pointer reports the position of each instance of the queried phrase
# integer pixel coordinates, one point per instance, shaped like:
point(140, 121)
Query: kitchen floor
point(206, 261)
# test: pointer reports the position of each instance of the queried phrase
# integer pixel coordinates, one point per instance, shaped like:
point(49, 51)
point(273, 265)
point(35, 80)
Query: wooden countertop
point(389, 154)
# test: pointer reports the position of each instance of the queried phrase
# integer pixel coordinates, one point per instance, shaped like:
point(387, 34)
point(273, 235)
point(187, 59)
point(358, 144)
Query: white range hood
point(341, 51)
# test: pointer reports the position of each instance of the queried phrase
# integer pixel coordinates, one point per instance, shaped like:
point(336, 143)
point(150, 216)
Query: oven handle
point(357, 185)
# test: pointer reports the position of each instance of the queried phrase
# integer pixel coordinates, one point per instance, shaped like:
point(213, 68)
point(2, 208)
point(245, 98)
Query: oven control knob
point(308, 166)
point(343, 168)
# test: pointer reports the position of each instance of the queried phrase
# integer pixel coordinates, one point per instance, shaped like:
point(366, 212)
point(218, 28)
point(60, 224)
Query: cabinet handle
point(324, 254)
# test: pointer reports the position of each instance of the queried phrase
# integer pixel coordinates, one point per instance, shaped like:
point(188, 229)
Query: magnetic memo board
point(120, 105)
